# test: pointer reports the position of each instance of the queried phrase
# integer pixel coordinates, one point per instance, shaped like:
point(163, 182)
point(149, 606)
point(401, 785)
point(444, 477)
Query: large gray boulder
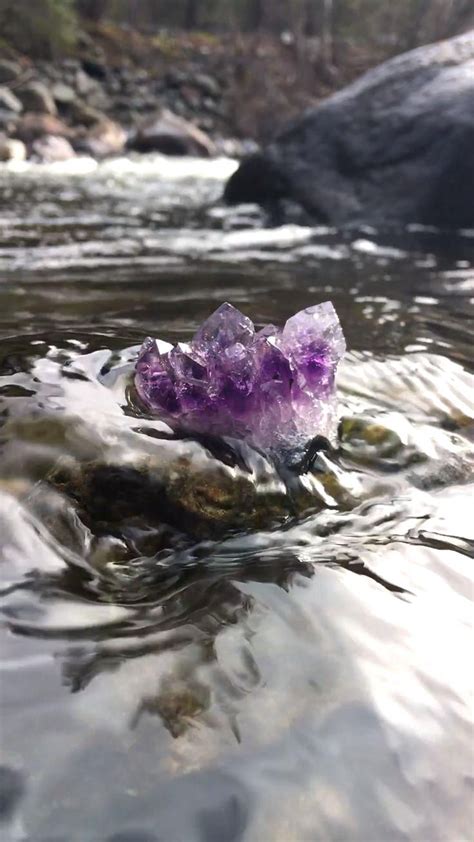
point(396, 146)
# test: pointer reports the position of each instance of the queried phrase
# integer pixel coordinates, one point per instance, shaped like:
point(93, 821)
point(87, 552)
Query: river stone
point(396, 146)
point(36, 97)
point(104, 138)
point(170, 134)
point(95, 68)
point(9, 71)
point(63, 94)
point(9, 102)
point(50, 149)
point(11, 150)
point(85, 84)
point(207, 84)
point(30, 126)
point(84, 114)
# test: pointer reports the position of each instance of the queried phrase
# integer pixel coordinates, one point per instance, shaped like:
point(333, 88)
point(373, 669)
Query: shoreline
point(180, 94)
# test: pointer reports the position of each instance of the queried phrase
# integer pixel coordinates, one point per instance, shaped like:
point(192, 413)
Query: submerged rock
point(199, 499)
point(275, 388)
point(393, 147)
point(198, 494)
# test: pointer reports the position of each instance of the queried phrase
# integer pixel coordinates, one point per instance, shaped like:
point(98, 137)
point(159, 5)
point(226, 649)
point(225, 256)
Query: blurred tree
point(92, 9)
point(42, 29)
point(383, 27)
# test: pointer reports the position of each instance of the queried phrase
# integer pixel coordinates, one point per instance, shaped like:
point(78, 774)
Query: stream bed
point(191, 650)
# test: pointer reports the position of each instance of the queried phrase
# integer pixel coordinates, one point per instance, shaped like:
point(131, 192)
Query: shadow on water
point(196, 646)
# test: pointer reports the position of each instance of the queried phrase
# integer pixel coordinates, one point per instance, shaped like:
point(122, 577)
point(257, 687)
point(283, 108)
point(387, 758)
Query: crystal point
point(275, 387)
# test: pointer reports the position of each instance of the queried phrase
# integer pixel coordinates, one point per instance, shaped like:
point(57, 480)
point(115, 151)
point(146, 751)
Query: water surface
point(169, 677)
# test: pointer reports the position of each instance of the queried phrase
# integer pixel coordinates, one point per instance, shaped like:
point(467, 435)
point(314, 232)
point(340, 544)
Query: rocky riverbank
point(181, 94)
point(53, 111)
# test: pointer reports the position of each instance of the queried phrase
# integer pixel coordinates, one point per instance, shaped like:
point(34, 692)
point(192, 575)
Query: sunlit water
point(194, 646)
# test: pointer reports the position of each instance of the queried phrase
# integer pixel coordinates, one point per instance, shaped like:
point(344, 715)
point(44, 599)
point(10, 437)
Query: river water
point(185, 672)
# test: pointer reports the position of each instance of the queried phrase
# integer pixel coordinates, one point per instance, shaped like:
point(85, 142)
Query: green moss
point(43, 29)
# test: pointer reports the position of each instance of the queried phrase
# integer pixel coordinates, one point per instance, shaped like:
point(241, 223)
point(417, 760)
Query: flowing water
point(194, 647)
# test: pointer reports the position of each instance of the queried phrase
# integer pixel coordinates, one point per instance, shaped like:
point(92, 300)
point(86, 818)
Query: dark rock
point(175, 77)
point(83, 114)
point(12, 789)
point(258, 179)
point(9, 71)
point(9, 102)
point(171, 135)
point(190, 96)
point(36, 97)
point(50, 149)
point(95, 68)
point(31, 126)
point(396, 146)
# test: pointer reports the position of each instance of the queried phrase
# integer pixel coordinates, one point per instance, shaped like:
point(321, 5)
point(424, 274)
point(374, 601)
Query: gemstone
point(274, 387)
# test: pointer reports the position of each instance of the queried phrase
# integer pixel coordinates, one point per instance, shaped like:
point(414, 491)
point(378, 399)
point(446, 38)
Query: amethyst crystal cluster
point(273, 387)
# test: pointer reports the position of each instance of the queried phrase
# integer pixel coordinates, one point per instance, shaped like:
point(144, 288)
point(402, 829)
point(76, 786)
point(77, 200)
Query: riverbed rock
point(83, 114)
point(36, 97)
point(9, 71)
point(11, 150)
point(84, 83)
point(105, 138)
point(63, 94)
point(9, 103)
point(31, 126)
point(51, 149)
point(96, 68)
point(172, 135)
point(207, 84)
point(393, 147)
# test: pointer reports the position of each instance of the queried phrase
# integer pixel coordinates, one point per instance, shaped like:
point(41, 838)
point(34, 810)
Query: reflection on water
point(195, 646)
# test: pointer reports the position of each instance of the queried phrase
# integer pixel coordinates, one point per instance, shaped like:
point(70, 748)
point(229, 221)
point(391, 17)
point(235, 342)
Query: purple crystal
point(275, 387)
